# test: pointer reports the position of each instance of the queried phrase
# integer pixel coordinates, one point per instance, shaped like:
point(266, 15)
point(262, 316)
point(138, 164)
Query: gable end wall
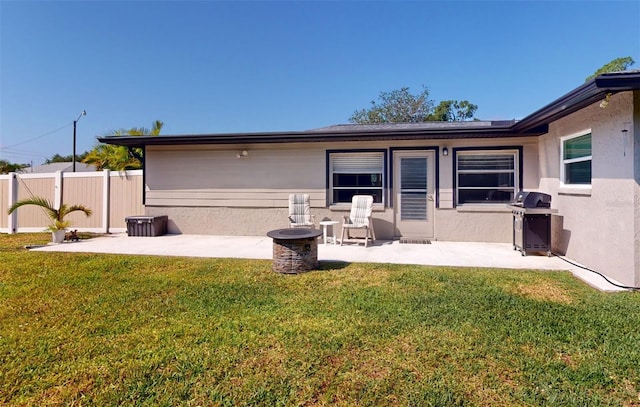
point(598, 227)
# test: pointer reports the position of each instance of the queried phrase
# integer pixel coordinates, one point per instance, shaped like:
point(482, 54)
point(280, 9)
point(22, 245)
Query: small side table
point(325, 224)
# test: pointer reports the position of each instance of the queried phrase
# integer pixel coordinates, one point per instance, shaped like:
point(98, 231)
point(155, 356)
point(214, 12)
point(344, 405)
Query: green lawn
point(84, 329)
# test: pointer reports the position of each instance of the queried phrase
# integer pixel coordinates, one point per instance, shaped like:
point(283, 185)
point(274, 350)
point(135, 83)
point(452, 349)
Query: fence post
point(57, 190)
point(106, 200)
point(12, 197)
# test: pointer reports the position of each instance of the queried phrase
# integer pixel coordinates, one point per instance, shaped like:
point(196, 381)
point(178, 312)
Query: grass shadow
point(331, 265)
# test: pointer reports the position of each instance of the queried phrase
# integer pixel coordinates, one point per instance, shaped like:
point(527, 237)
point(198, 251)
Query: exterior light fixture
point(243, 154)
point(84, 113)
point(445, 151)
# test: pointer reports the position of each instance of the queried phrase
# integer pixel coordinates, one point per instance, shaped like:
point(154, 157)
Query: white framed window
point(575, 156)
point(486, 176)
point(356, 173)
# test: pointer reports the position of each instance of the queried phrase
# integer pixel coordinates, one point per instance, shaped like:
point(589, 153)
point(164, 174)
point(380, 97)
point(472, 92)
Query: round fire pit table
point(294, 250)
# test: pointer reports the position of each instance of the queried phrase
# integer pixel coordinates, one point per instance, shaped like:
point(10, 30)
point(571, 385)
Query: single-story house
point(59, 166)
point(437, 180)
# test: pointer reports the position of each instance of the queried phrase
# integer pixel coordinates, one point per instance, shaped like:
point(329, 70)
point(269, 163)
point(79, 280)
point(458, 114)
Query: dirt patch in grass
point(72, 389)
point(360, 276)
point(270, 361)
point(567, 359)
point(543, 291)
point(631, 389)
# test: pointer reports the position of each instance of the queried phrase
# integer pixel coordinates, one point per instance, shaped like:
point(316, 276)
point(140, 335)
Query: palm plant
point(56, 215)
point(115, 158)
point(7, 167)
point(120, 158)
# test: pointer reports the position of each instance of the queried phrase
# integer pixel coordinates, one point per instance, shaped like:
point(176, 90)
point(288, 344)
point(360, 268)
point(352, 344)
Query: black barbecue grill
point(532, 222)
point(532, 200)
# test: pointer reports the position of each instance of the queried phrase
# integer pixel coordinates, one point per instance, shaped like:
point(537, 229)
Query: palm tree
point(143, 131)
point(7, 167)
point(56, 215)
point(120, 158)
point(110, 157)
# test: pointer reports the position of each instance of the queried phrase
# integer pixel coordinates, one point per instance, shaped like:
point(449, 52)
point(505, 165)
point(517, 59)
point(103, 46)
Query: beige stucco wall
point(206, 176)
point(248, 222)
point(598, 227)
point(476, 225)
point(208, 190)
point(635, 147)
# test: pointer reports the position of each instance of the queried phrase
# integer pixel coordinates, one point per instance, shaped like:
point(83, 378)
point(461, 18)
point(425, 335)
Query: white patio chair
point(359, 218)
point(300, 212)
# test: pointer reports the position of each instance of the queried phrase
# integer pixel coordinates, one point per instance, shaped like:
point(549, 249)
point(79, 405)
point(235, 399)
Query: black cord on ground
point(626, 287)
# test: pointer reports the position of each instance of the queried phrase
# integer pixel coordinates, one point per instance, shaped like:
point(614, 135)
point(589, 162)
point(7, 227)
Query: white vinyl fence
point(112, 196)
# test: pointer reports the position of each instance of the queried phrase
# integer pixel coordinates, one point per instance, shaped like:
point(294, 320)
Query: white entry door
point(413, 189)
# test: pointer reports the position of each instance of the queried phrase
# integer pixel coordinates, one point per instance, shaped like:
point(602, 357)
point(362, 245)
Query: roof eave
point(305, 137)
point(619, 81)
point(581, 97)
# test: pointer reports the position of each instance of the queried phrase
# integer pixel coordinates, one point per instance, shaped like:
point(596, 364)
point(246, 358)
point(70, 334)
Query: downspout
point(144, 175)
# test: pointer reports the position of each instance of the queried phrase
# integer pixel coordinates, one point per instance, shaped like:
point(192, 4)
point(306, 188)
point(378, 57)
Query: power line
point(22, 156)
point(18, 151)
point(19, 154)
point(35, 138)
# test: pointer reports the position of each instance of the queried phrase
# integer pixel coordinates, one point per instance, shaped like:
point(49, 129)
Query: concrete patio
point(458, 254)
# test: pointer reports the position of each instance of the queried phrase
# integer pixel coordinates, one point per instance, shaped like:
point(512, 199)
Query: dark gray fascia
point(496, 129)
point(581, 97)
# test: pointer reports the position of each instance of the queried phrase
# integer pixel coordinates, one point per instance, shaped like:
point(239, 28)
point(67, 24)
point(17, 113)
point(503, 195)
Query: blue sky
point(217, 67)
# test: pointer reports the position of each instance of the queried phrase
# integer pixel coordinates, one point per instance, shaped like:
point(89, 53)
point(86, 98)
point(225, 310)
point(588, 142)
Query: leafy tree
point(120, 158)
point(398, 106)
point(57, 158)
point(401, 106)
point(453, 111)
point(616, 65)
point(7, 167)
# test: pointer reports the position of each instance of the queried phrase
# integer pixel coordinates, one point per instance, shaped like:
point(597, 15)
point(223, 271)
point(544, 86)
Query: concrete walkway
point(463, 254)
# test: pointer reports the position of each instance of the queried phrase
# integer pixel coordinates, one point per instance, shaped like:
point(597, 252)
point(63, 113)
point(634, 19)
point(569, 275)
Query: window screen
point(576, 160)
point(356, 174)
point(486, 176)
